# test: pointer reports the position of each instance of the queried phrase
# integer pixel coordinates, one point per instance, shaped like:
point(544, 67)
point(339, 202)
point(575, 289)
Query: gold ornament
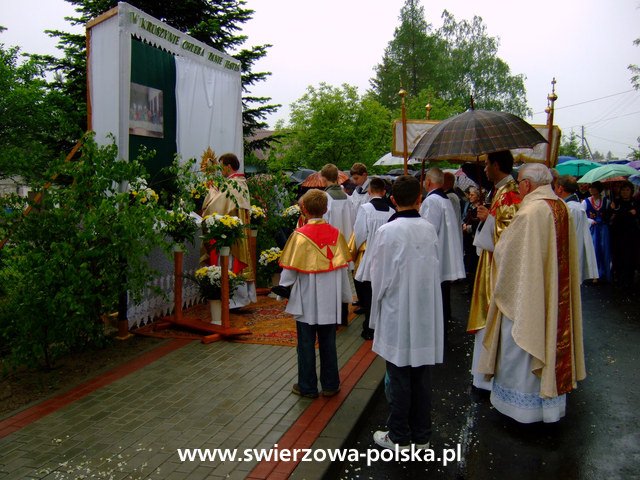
point(208, 162)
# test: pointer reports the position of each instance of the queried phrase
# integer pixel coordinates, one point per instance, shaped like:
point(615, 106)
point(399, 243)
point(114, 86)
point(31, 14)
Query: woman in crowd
point(597, 207)
point(625, 235)
point(470, 222)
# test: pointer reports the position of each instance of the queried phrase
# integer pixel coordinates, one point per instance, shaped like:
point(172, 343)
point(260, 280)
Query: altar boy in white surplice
point(406, 315)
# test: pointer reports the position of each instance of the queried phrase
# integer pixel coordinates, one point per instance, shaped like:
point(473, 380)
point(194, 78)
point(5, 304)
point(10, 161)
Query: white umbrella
point(389, 159)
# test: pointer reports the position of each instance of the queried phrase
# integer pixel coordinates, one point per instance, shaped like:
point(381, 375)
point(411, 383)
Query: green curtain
point(155, 68)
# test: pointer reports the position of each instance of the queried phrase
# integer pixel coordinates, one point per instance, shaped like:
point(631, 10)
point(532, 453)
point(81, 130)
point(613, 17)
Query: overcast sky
point(586, 45)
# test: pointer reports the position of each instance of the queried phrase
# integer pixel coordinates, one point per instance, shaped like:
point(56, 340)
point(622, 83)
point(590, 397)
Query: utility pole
point(584, 140)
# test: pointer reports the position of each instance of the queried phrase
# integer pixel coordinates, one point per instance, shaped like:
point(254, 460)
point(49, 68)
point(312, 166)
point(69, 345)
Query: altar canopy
point(154, 86)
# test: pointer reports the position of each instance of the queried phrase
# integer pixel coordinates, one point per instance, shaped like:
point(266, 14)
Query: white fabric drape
point(105, 84)
point(209, 110)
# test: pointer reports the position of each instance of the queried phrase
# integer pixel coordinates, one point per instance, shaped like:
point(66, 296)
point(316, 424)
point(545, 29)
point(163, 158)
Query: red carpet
point(266, 319)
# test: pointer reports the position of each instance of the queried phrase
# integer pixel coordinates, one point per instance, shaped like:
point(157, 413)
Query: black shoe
point(281, 291)
point(367, 335)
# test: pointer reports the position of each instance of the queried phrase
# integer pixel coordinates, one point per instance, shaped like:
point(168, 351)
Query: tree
point(635, 70)
point(455, 62)
point(33, 124)
point(70, 259)
point(334, 125)
point(475, 68)
point(412, 60)
point(214, 22)
point(569, 146)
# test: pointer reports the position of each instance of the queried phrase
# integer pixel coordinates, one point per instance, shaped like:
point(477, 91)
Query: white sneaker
point(382, 439)
point(422, 446)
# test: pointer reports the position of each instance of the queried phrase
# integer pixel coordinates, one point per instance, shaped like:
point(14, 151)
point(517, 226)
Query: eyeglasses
point(518, 181)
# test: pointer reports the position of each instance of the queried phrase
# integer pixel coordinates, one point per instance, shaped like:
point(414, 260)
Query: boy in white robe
point(314, 264)
point(406, 314)
point(360, 178)
point(340, 213)
point(438, 210)
point(372, 215)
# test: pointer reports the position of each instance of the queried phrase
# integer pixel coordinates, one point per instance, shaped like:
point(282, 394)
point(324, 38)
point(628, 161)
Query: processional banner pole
point(405, 153)
point(551, 98)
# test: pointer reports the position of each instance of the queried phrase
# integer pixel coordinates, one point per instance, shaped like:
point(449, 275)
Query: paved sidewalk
point(129, 424)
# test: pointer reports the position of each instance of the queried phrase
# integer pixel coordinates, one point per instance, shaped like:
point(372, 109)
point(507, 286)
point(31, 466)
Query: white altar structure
point(151, 85)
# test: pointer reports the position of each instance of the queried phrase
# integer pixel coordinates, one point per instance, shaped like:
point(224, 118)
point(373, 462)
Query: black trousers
point(363, 290)
point(410, 404)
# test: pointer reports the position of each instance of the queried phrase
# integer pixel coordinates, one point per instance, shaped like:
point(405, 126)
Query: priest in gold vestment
point(533, 345)
point(235, 201)
point(497, 217)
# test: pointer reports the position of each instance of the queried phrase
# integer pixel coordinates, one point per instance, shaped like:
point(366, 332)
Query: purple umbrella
point(635, 164)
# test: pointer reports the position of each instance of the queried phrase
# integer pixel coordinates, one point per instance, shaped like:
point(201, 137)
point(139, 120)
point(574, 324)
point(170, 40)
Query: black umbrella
point(399, 171)
point(301, 175)
point(474, 133)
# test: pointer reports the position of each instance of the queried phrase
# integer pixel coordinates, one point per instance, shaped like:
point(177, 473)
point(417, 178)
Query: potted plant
point(258, 216)
point(291, 215)
point(269, 266)
point(209, 281)
point(180, 226)
point(220, 232)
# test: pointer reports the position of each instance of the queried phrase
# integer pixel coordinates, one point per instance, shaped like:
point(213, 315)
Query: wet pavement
point(598, 438)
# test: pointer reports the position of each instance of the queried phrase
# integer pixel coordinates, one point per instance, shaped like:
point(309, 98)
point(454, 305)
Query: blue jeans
point(307, 377)
point(409, 394)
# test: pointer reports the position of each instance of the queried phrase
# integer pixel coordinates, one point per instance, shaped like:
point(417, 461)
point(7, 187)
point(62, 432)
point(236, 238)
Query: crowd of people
point(526, 245)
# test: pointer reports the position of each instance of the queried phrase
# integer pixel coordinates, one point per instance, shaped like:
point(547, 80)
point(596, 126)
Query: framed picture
point(145, 111)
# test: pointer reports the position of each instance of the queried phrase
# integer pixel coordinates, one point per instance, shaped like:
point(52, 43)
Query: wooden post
point(123, 321)
point(405, 154)
point(224, 297)
point(178, 259)
point(253, 240)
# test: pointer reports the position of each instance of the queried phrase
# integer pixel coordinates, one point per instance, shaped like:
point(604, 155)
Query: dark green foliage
point(273, 193)
point(34, 125)
point(452, 63)
point(335, 125)
point(70, 259)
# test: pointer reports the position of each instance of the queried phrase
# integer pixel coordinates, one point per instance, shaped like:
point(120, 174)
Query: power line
point(612, 141)
point(607, 119)
point(589, 101)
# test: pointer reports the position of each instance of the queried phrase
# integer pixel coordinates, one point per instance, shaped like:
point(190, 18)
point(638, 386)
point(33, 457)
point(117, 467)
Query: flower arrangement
point(180, 226)
point(223, 230)
point(141, 192)
point(258, 216)
point(268, 260)
point(209, 280)
point(291, 215)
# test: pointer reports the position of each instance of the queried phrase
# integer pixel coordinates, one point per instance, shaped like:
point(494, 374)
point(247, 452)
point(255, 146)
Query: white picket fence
point(158, 297)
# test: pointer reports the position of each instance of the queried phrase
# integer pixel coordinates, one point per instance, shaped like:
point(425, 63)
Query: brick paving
point(129, 423)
